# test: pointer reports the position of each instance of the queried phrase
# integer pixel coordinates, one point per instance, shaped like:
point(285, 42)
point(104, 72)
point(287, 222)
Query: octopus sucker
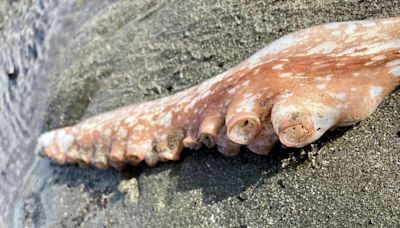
point(208, 130)
point(292, 91)
point(264, 141)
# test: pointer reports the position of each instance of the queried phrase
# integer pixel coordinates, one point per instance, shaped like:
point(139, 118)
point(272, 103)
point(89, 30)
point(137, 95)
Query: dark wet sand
point(131, 52)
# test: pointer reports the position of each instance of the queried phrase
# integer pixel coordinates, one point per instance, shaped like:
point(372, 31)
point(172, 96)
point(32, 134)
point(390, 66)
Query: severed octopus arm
point(293, 90)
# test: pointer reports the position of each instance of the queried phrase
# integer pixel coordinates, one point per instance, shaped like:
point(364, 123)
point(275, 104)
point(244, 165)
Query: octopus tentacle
point(292, 91)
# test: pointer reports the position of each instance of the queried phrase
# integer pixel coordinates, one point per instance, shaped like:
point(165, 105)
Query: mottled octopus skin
point(293, 90)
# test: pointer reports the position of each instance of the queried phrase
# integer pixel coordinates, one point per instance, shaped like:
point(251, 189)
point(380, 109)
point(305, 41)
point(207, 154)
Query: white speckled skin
point(293, 90)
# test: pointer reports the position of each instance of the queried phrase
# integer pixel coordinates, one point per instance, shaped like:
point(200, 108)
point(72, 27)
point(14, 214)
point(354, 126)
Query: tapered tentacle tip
point(40, 145)
point(55, 145)
point(44, 140)
point(243, 128)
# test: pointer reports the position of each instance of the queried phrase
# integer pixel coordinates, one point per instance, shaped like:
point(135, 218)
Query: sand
point(133, 51)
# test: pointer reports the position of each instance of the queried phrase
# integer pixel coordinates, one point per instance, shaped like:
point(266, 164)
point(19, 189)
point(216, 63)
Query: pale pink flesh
point(294, 90)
